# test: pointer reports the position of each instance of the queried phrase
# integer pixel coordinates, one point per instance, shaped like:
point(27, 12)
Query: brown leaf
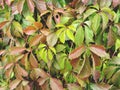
point(38, 25)
point(115, 3)
point(14, 84)
point(2, 52)
point(37, 72)
point(85, 1)
point(21, 71)
point(8, 72)
point(38, 38)
point(96, 60)
point(20, 5)
point(16, 50)
point(2, 24)
point(74, 87)
point(33, 61)
point(14, 9)
point(29, 30)
point(41, 81)
point(96, 75)
point(45, 31)
point(56, 17)
point(27, 87)
point(49, 21)
point(98, 50)
point(111, 38)
point(55, 84)
point(30, 5)
point(8, 2)
point(7, 66)
point(85, 71)
point(41, 5)
point(2, 3)
point(77, 52)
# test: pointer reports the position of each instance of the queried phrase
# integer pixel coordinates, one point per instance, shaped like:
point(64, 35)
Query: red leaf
point(29, 30)
point(20, 5)
point(33, 61)
point(98, 50)
point(2, 24)
point(16, 50)
point(14, 84)
point(77, 52)
point(2, 52)
point(38, 38)
point(30, 5)
point(56, 84)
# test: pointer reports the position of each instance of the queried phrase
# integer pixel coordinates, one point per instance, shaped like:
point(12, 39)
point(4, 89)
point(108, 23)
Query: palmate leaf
point(88, 35)
point(96, 22)
point(79, 36)
point(70, 35)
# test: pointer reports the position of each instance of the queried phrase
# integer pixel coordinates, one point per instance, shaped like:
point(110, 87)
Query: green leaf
point(41, 46)
point(104, 20)
point(72, 27)
point(117, 44)
point(60, 47)
point(79, 36)
point(70, 35)
point(62, 37)
point(64, 19)
point(59, 31)
point(43, 54)
point(89, 12)
point(50, 54)
point(53, 50)
point(17, 26)
point(88, 35)
point(68, 66)
point(96, 22)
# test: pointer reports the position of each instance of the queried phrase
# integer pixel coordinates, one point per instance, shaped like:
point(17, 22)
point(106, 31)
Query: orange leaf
point(2, 24)
point(29, 30)
point(38, 25)
point(98, 50)
point(77, 52)
point(33, 61)
point(56, 84)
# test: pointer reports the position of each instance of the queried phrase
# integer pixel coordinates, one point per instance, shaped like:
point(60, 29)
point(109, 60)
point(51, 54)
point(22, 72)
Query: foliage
point(59, 44)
